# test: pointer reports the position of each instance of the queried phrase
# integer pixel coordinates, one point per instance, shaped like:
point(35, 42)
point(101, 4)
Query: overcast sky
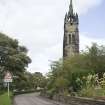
point(38, 24)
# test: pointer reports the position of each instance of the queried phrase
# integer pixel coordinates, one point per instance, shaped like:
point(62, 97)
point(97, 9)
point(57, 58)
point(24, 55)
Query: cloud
point(38, 24)
point(83, 6)
point(87, 41)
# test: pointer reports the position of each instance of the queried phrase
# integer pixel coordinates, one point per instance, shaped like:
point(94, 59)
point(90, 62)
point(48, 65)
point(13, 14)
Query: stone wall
point(78, 100)
point(74, 100)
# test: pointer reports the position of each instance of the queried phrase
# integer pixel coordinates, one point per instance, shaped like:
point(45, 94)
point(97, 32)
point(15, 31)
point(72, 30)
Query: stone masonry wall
point(78, 100)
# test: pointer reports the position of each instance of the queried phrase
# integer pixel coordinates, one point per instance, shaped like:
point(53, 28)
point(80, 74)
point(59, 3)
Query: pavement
point(33, 99)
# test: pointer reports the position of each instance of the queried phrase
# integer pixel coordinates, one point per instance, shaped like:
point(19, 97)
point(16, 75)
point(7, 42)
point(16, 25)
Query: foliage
point(61, 83)
point(32, 81)
point(13, 58)
point(72, 73)
point(25, 92)
point(94, 87)
point(90, 92)
point(38, 80)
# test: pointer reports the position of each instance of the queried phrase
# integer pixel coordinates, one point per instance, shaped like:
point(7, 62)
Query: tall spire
point(71, 8)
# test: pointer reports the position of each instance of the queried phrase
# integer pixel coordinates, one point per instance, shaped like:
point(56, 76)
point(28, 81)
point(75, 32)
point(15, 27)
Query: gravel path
point(33, 99)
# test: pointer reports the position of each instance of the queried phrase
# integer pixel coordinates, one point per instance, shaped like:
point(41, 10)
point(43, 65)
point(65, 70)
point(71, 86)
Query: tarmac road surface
point(33, 99)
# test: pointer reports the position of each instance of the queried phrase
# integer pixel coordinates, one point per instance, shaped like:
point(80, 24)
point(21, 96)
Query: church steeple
point(71, 8)
point(71, 33)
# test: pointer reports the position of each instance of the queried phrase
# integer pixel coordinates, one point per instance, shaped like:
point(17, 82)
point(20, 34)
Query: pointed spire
point(71, 8)
point(77, 18)
point(66, 18)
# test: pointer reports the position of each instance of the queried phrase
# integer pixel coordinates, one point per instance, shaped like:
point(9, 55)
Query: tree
point(96, 56)
point(13, 57)
point(61, 84)
point(73, 69)
point(38, 80)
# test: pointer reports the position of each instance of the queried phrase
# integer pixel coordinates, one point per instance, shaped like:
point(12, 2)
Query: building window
point(70, 38)
point(73, 39)
point(65, 40)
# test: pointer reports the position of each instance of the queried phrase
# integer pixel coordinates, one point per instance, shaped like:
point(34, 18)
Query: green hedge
point(25, 92)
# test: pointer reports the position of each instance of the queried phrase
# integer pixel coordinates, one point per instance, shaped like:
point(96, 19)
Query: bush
point(25, 92)
point(50, 93)
point(90, 92)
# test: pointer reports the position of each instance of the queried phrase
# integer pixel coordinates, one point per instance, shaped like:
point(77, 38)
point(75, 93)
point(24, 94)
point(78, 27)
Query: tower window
point(65, 40)
point(73, 38)
point(70, 38)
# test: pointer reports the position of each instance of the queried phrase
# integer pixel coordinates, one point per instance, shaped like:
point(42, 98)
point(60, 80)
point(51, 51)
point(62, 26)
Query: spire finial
point(70, 1)
point(71, 8)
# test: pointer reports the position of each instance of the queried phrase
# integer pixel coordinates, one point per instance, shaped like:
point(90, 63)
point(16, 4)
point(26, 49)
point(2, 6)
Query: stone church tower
point(71, 33)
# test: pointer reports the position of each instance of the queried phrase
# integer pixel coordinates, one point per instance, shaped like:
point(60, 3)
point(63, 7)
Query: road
point(33, 99)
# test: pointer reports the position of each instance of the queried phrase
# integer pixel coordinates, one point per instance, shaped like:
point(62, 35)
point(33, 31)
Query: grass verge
point(5, 100)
